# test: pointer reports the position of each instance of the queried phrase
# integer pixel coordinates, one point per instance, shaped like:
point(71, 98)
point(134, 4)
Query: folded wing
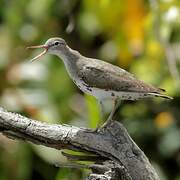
point(109, 77)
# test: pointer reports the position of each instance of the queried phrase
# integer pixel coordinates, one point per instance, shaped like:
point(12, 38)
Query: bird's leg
point(102, 112)
point(115, 109)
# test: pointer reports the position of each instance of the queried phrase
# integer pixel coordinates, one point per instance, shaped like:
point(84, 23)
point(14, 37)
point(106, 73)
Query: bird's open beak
point(45, 47)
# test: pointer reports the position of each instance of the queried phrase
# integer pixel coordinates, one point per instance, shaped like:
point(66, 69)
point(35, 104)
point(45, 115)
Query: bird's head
point(52, 46)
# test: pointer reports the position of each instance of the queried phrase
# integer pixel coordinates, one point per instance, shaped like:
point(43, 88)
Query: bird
point(98, 78)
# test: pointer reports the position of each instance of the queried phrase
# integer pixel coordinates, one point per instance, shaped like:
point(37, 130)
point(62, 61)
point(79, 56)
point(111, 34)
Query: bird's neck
point(70, 58)
point(69, 55)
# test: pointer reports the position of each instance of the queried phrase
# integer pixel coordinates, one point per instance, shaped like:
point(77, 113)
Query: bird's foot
point(106, 124)
point(100, 128)
point(96, 130)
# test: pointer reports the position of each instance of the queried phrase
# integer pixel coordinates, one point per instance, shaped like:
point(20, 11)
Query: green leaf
point(93, 111)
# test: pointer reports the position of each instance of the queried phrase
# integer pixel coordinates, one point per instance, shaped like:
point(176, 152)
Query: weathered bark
point(118, 157)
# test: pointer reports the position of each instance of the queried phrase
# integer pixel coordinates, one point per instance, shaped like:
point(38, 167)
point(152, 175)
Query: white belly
point(108, 94)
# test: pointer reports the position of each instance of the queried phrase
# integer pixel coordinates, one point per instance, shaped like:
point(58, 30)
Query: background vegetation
point(140, 36)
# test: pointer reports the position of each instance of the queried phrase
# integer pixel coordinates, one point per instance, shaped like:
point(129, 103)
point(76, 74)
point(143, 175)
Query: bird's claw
point(96, 130)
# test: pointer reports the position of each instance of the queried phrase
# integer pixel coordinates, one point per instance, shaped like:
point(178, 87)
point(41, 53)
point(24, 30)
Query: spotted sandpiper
point(98, 78)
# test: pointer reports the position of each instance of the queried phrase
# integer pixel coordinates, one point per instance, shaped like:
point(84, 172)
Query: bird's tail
point(160, 95)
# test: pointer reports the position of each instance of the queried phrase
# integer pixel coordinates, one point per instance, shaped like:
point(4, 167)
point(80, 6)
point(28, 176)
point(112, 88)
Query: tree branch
point(122, 158)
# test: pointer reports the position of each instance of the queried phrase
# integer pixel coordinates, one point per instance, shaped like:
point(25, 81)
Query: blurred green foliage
point(141, 36)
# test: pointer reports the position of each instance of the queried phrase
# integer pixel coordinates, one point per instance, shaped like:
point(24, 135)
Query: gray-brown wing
point(114, 78)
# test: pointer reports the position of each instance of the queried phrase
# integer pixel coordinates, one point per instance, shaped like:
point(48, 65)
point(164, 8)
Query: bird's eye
point(56, 43)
